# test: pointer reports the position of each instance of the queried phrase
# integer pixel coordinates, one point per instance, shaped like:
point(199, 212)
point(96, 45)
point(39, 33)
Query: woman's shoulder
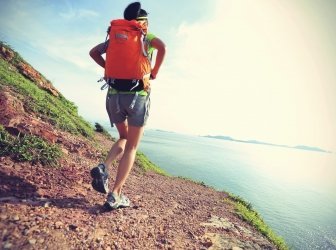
point(150, 36)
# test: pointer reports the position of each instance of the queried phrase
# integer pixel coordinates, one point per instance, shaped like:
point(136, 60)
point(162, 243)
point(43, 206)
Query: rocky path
point(56, 208)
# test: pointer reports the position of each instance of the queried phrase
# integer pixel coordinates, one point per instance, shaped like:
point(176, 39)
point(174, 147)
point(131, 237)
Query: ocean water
point(293, 190)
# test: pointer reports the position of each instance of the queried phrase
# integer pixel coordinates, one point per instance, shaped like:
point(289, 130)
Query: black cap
point(132, 11)
point(142, 14)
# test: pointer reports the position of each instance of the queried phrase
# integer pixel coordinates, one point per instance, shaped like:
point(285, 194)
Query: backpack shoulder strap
point(107, 36)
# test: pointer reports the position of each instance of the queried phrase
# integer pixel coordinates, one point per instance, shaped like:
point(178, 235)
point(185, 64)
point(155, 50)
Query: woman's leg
point(118, 147)
point(134, 135)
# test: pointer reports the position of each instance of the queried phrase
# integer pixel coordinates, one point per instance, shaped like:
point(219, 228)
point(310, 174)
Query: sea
point(294, 190)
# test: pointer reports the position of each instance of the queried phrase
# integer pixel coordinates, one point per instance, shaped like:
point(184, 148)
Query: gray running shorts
point(134, 108)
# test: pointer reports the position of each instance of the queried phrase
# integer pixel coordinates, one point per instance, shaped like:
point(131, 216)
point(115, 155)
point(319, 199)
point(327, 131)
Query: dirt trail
point(56, 208)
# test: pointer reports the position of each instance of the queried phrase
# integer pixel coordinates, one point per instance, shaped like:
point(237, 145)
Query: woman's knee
point(120, 146)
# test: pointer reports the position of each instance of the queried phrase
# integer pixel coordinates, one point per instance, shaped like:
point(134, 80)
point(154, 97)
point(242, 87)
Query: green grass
point(146, 165)
point(202, 183)
point(245, 211)
point(17, 58)
point(58, 111)
point(29, 148)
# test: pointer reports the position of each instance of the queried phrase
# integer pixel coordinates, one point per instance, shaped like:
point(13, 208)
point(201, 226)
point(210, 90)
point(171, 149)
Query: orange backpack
point(126, 55)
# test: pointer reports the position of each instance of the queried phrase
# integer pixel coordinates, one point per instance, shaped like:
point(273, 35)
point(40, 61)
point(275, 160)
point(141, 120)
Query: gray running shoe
point(124, 201)
point(100, 178)
point(113, 201)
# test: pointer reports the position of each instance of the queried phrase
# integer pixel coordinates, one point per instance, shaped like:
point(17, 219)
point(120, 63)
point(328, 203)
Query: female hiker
point(127, 100)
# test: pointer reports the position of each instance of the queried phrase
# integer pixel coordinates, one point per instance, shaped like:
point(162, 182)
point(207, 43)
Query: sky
point(262, 69)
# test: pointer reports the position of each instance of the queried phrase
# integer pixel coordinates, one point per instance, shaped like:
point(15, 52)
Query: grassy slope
point(58, 111)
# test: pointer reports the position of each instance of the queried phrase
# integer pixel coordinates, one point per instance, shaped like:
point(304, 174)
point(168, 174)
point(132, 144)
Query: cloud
point(78, 14)
point(74, 51)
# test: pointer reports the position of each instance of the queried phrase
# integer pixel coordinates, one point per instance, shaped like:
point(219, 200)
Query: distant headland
point(302, 147)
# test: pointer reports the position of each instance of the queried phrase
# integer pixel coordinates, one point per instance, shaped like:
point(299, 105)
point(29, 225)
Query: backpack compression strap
point(143, 37)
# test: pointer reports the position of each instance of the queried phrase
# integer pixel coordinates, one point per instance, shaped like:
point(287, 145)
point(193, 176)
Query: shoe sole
point(98, 182)
point(108, 207)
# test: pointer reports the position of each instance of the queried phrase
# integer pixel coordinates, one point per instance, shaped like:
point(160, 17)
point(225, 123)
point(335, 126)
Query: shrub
point(29, 148)
point(6, 142)
point(101, 129)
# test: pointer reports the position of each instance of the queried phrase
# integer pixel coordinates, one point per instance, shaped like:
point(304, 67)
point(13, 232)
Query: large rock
point(10, 107)
point(30, 73)
point(7, 54)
